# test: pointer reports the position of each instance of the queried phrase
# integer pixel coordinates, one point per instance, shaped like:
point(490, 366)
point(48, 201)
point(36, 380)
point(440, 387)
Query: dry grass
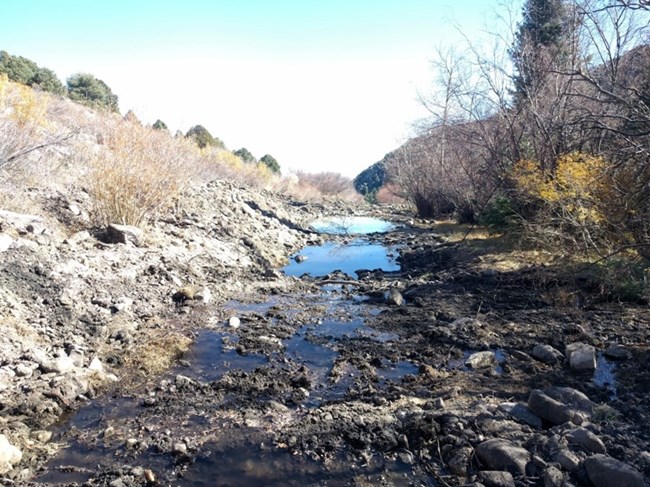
point(158, 353)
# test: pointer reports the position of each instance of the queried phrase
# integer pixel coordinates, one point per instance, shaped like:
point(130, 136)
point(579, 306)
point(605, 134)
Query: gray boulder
point(560, 405)
point(521, 413)
point(547, 354)
point(498, 454)
point(9, 455)
point(553, 477)
point(394, 297)
point(587, 440)
point(481, 360)
point(604, 471)
point(124, 234)
point(492, 478)
point(581, 357)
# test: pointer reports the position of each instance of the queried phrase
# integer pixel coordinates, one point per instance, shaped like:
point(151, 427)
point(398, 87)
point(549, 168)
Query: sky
point(320, 85)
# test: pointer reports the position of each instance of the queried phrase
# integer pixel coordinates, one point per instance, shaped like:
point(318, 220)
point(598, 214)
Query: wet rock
point(587, 440)
point(492, 478)
point(394, 297)
point(604, 471)
point(560, 405)
point(498, 454)
point(581, 357)
point(553, 477)
point(460, 460)
point(481, 360)
point(617, 352)
point(547, 354)
point(124, 234)
point(300, 258)
point(521, 413)
point(9, 455)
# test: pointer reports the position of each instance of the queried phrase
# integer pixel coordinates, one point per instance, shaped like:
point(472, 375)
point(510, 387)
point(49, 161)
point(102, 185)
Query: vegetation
point(90, 91)
point(547, 131)
point(27, 72)
point(370, 180)
point(159, 125)
point(245, 155)
point(271, 163)
point(203, 137)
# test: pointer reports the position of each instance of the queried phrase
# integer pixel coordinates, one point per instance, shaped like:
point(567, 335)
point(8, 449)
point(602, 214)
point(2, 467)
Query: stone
point(23, 370)
point(553, 477)
point(179, 449)
point(617, 352)
point(394, 297)
point(567, 460)
point(521, 413)
point(499, 454)
point(234, 322)
point(300, 258)
point(59, 365)
point(587, 440)
point(9, 455)
point(547, 354)
point(204, 294)
point(124, 234)
point(5, 242)
point(560, 405)
point(604, 471)
point(459, 461)
point(481, 360)
point(96, 365)
point(581, 357)
point(492, 478)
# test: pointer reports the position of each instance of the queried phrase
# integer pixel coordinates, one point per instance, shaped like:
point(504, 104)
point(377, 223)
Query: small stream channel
point(242, 456)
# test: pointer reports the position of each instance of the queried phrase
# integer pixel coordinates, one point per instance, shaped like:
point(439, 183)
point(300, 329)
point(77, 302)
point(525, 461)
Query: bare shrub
point(329, 185)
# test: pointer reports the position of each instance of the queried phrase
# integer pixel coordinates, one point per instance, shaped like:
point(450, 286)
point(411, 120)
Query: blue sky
point(320, 85)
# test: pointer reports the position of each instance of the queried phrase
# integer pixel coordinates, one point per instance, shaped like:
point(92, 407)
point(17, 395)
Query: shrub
point(203, 137)
point(271, 163)
point(92, 92)
point(625, 279)
point(499, 215)
point(245, 155)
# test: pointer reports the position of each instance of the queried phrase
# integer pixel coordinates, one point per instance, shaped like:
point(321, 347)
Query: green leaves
point(93, 92)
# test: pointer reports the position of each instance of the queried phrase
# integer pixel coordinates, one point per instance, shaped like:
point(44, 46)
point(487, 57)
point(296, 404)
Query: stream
point(208, 421)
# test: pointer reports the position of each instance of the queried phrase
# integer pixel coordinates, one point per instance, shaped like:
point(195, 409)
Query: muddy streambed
point(234, 409)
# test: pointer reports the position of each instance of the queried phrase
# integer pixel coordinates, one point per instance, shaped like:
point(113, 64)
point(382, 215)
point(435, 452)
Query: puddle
point(354, 225)
point(211, 357)
point(605, 376)
point(396, 371)
point(329, 257)
point(459, 363)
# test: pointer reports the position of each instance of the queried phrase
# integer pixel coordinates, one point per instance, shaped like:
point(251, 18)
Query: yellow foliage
point(4, 83)
point(578, 185)
point(29, 106)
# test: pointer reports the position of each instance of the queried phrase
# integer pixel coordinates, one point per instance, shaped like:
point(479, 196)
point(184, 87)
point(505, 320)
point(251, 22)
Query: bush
point(245, 155)
point(271, 163)
point(24, 71)
point(499, 215)
point(203, 137)
point(625, 279)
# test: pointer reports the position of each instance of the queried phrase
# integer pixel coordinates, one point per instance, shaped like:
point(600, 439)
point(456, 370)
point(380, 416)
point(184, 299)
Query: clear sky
point(320, 85)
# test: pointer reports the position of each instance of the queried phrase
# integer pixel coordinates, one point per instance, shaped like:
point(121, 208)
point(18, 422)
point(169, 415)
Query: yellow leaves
point(29, 106)
point(577, 187)
point(4, 83)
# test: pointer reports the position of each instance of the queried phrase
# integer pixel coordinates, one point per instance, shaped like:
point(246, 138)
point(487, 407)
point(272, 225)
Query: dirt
point(324, 381)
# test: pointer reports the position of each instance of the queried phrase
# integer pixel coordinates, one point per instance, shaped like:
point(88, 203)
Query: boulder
point(59, 365)
point(560, 405)
point(581, 357)
point(498, 454)
point(587, 440)
point(553, 477)
point(567, 460)
point(604, 471)
point(394, 297)
point(521, 413)
point(460, 460)
point(547, 354)
point(493, 478)
point(234, 322)
point(124, 234)
point(481, 360)
point(5, 242)
point(617, 352)
point(9, 455)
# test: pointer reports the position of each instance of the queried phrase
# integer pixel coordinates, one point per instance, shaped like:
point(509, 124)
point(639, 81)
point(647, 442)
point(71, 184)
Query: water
point(329, 257)
point(604, 375)
point(354, 225)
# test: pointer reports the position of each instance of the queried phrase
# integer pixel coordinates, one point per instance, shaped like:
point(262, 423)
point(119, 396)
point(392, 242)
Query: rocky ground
point(469, 366)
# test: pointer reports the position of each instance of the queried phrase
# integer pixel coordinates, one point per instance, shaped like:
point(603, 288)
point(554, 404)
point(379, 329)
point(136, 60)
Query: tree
point(245, 155)
point(203, 137)
point(93, 92)
point(160, 125)
point(271, 163)
point(27, 72)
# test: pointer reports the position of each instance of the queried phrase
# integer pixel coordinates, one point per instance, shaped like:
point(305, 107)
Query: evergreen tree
point(160, 125)
point(93, 92)
point(245, 155)
point(203, 138)
point(27, 72)
point(271, 163)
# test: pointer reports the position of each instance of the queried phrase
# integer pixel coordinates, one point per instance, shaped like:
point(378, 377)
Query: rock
point(553, 477)
point(492, 478)
point(498, 454)
point(460, 460)
point(521, 413)
point(581, 357)
point(300, 258)
point(547, 354)
point(560, 405)
point(23, 370)
point(204, 295)
point(234, 322)
point(617, 352)
point(9, 455)
point(481, 360)
point(22, 222)
point(131, 443)
point(587, 440)
point(59, 365)
point(567, 460)
point(124, 234)
point(179, 449)
point(604, 471)
point(77, 357)
point(96, 365)
point(5, 242)
point(394, 297)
